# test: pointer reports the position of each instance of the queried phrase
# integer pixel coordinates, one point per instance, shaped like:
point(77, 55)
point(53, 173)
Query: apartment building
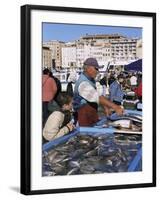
point(106, 48)
point(139, 48)
point(69, 55)
point(47, 57)
point(56, 49)
point(124, 49)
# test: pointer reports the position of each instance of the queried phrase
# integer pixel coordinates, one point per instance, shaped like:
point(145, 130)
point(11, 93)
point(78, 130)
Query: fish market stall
point(131, 101)
point(98, 149)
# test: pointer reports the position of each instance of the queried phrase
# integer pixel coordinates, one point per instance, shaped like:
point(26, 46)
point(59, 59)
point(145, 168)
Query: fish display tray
point(135, 163)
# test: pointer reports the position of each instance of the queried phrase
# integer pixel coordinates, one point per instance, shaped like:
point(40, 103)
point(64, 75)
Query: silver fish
point(121, 123)
point(109, 162)
point(48, 173)
point(134, 116)
point(91, 154)
point(55, 157)
point(74, 164)
point(58, 169)
point(73, 171)
point(86, 169)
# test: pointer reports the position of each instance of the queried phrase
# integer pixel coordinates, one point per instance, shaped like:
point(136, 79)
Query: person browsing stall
point(116, 93)
point(59, 121)
point(86, 98)
point(49, 90)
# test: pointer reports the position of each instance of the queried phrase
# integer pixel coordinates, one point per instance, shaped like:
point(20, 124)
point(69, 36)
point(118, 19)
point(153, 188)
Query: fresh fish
point(122, 167)
point(86, 168)
point(121, 123)
point(131, 124)
point(93, 159)
point(85, 139)
point(58, 158)
point(78, 153)
point(48, 173)
point(109, 162)
point(91, 153)
point(52, 156)
point(87, 154)
point(117, 164)
point(133, 117)
point(59, 169)
point(73, 171)
point(74, 164)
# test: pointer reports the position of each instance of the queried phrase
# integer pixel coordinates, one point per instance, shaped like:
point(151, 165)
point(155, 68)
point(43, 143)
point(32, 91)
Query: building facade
point(47, 57)
point(69, 55)
point(106, 48)
point(56, 49)
point(139, 48)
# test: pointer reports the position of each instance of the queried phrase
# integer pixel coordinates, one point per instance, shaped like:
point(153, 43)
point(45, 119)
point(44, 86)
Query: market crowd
point(62, 111)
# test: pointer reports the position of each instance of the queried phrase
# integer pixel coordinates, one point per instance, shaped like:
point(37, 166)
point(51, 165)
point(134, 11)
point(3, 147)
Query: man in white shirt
point(86, 98)
point(133, 80)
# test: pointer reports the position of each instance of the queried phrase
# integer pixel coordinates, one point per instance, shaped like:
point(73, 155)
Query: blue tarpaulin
point(134, 66)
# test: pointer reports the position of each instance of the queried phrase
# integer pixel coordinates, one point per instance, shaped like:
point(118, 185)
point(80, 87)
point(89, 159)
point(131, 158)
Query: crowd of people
point(63, 110)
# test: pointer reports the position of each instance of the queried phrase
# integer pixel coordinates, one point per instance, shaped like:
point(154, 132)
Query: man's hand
point(107, 111)
point(119, 110)
point(107, 103)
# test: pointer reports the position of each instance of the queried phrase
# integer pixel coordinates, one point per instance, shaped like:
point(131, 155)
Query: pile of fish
point(91, 154)
point(128, 122)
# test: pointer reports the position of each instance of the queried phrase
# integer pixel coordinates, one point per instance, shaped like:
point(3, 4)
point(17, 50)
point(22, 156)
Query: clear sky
point(71, 32)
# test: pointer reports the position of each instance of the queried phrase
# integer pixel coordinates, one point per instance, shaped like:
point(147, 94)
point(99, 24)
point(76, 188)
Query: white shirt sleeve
point(88, 92)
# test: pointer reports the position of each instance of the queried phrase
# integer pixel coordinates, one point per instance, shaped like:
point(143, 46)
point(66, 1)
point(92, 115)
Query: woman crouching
point(58, 122)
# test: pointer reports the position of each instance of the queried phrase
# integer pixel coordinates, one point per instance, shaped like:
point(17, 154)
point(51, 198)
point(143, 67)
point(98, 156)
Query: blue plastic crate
point(135, 164)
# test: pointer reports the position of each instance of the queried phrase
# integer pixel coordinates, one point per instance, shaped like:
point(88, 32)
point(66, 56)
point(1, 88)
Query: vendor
point(86, 98)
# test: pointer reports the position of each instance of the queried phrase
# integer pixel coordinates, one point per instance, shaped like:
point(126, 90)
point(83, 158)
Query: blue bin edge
point(91, 130)
point(133, 165)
